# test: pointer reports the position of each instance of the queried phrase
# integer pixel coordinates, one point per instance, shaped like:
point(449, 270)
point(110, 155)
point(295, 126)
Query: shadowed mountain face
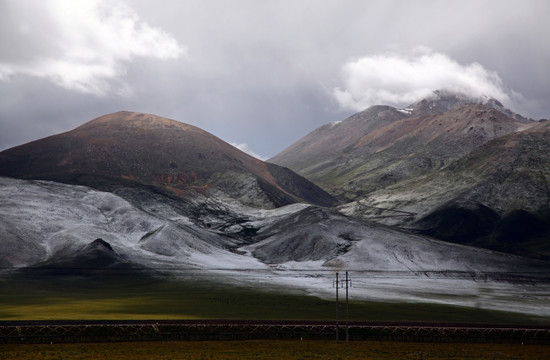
point(510, 175)
point(141, 149)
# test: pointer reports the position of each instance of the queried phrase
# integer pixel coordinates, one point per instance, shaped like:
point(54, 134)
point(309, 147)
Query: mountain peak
point(99, 244)
point(134, 119)
point(443, 100)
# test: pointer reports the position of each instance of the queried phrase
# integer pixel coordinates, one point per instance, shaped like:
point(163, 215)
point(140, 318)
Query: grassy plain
point(167, 299)
point(271, 349)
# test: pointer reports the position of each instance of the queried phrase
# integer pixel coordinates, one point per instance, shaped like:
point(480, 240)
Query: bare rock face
point(136, 149)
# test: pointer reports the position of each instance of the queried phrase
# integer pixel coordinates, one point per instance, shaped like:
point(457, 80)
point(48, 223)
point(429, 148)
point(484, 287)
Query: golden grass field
point(273, 349)
point(48, 300)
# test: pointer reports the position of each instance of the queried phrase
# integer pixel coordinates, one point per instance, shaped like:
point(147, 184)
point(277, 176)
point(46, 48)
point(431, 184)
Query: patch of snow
point(407, 111)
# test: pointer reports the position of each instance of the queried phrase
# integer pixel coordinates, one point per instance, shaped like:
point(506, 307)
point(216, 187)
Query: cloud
point(79, 45)
point(399, 80)
point(245, 148)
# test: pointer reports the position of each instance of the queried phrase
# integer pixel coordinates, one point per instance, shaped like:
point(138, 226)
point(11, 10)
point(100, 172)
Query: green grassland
point(272, 349)
point(185, 299)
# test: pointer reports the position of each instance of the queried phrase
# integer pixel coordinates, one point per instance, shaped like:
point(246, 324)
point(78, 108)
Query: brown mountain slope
point(317, 152)
point(387, 152)
point(143, 149)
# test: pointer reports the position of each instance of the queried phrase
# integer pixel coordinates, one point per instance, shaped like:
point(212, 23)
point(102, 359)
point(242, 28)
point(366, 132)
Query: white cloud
point(245, 148)
point(81, 45)
point(399, 80)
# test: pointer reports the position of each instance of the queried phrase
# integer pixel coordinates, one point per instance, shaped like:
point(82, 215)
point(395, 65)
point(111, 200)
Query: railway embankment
point(119, 331)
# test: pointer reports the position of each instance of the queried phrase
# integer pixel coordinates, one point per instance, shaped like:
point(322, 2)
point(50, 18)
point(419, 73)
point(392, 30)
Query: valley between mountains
point(445, 201)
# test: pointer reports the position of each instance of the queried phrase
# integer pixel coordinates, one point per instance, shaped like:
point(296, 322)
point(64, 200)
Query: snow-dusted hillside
point(297, 247)
point(331, 240)
point(41, 220)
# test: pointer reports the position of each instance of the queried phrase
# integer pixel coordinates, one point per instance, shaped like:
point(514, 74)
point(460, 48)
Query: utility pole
point(348, 282)
point(340, 284)
point(337, 305)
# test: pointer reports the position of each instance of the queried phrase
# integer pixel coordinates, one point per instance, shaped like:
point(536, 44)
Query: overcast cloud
point(397, 79)
point(260, 74)
point(79, 45)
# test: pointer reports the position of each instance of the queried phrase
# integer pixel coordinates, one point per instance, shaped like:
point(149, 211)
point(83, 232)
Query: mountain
point(145, 150)
point(459, 169)
point(382, 145)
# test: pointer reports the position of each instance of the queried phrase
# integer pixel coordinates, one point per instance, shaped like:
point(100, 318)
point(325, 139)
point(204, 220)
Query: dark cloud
point(257, 74)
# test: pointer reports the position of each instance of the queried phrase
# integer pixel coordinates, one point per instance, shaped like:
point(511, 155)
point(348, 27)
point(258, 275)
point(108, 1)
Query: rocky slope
point(146, 150)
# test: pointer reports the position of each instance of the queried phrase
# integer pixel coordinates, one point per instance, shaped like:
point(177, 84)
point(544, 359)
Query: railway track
point(150, 330)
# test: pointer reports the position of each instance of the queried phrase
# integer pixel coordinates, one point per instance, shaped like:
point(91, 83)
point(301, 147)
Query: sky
point(261, 74)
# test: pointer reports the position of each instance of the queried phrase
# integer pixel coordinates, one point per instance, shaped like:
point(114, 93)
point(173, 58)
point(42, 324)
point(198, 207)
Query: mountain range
point(417, 190)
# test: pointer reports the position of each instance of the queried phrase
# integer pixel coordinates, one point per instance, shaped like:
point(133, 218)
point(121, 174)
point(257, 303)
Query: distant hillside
point(145, 150)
